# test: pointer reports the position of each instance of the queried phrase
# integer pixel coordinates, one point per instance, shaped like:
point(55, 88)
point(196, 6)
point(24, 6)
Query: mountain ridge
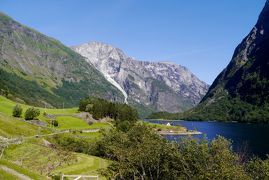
point(241, 91)
point(146, 82)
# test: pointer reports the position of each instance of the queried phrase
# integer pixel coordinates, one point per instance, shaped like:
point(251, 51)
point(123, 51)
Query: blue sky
point(198, 34)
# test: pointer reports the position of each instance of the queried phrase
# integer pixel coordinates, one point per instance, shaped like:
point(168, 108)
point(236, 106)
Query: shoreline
point(180, 133)
point(180, 120)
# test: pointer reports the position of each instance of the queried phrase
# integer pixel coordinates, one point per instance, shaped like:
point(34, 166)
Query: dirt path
point(15, 173)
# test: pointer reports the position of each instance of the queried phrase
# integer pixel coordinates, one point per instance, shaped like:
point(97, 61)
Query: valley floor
point(28, 149)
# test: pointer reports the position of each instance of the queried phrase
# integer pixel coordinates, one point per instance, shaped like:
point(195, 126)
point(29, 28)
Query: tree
point(258, 169)
point(17, 111)
point(31, 113)
point(140, 153)
point(100, 108)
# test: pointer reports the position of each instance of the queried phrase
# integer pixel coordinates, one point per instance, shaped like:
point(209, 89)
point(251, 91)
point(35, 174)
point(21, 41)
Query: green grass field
point(6, 176)
point(84, 165)
point(12, 127)
point(64, 116)
point(6, 107)
point(69, 122)
point(36, 160)
point(19, 169)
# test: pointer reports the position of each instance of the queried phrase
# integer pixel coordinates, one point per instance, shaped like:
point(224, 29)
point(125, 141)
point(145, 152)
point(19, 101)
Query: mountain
point(241, 90)
point(150, 86)
point(39, 70)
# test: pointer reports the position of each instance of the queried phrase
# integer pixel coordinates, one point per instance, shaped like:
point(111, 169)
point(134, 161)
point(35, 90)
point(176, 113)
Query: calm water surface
point(253, 137)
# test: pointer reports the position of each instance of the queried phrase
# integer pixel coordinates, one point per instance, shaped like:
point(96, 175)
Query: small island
point(168, 129)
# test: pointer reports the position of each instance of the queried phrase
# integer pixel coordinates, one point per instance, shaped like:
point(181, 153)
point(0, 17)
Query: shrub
point(89, 108)
point(141, 153)
point(55, 123)
point(31, 113)
point(17, 111)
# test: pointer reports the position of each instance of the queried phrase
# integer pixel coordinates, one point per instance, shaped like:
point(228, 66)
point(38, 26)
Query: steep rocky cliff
point(241, 90)
point(159, 86)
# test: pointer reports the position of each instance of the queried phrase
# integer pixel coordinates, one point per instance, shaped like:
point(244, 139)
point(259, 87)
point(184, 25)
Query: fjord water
point(252, 138)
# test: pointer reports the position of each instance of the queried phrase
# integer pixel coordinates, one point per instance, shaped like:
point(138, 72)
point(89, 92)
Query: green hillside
point(41, 71)
point(241, 91)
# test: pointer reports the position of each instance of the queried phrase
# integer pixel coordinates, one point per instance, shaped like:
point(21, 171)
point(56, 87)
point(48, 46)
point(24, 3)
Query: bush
point(72, 142)
point(258, 169)
point(17, 111)
point(140, 153)
point(31, 113)
point(55, 123)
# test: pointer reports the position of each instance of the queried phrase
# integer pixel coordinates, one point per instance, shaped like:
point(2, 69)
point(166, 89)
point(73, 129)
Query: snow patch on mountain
point(161, 86)
point(113, 82)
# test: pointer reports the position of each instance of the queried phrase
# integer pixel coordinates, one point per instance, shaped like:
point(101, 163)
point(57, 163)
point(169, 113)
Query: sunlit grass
point(6, 107)
point(69, 122)
point(19, 169)
point(7, 176)
point(85, 164)
point(34, 156)
point(13, 127)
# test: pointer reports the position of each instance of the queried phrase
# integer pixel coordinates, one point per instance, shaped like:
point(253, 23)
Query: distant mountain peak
point(160, 86)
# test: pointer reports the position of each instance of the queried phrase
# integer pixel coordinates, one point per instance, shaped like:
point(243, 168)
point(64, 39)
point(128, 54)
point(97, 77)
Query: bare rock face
point(159, 86)
point(241, 90)
point(250, 61)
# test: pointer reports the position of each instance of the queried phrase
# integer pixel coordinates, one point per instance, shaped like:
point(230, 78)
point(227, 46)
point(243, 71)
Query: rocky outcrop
point(241, 90)
point(160, 86)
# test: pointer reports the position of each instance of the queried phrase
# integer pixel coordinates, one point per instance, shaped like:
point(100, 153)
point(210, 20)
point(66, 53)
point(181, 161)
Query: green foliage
point(72, 142)
point(239, 93)
point(162, 115)
point(19, 169)
point(55, 123)
point(29, 91)
point(72, 92)
point(258, 169)
point(31, 113)
point(123, 114)
point(36, 80)
point(224, 109)
point(17, 111)
point(142, 154)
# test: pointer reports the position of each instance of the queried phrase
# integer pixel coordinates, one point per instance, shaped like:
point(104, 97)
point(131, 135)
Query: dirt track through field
point(15, 173)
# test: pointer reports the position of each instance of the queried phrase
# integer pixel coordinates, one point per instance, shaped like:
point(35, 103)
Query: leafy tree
point(124, 115)
point(142, 154)
point(258, 169)
point(17, 111)
point(31, 113)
